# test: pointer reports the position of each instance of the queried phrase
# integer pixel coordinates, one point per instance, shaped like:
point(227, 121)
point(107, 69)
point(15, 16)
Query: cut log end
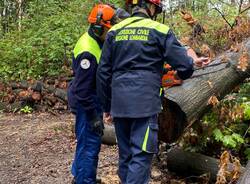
point(172, 121)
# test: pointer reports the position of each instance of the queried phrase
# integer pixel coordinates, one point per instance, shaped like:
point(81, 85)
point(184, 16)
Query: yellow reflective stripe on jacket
point(124, 23)
point(87, 44)
point(148, 23)
point(144, 23)
point(161, 91)
point(144, 145)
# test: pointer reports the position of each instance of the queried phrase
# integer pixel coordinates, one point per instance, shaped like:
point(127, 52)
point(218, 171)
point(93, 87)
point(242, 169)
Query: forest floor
point(38, 148)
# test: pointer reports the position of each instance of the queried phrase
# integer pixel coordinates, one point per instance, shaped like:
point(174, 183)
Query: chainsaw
point(169, 77)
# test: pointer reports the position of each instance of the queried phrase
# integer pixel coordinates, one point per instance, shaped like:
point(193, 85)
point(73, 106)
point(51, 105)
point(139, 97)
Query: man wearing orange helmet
point(82, 92)
point(129, 82)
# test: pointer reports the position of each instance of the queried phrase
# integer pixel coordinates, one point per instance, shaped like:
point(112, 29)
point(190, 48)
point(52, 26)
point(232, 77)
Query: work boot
point(98, 180)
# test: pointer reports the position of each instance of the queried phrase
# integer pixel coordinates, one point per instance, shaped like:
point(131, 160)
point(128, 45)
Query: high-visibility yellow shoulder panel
point(124, 23)
point(87, 44)
point(148, 23)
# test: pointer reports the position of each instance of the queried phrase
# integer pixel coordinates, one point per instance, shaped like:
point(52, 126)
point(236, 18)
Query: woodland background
point(37, 38)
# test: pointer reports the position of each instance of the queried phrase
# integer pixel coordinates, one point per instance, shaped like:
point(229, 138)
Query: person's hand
point(107, 118)
point(201, 61)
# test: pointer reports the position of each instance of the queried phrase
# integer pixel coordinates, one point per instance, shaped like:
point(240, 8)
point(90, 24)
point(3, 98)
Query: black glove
point(97, 125)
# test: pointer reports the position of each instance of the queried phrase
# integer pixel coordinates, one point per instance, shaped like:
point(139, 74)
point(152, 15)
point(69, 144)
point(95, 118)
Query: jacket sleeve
point(176, 55)
point(82, 89)
point(104, 74)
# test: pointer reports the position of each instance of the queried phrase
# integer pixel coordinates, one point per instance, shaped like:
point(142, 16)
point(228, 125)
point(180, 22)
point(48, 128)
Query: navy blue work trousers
point(87, 148)
point(138, 142)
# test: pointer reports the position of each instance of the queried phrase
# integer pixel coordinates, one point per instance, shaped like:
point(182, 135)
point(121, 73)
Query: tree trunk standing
point(19, 13)
point(4, 20)
point(1, 18)
point(188, 102)
point(171, 13)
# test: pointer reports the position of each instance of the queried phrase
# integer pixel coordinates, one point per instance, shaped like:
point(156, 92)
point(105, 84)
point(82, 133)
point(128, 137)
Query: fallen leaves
point(36, 96)
point(205, 50)
point(235, 175)
point(24, 94)
point(188, 18)
point(240, 31)
point(224, 176)
point(231, 113)
point(235, 48)
point(213, 100)
point(223, 173)
point(243, 61)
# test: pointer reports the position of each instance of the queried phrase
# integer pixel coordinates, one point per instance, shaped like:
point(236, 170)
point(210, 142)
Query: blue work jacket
point(82, 89)
point(131, 66)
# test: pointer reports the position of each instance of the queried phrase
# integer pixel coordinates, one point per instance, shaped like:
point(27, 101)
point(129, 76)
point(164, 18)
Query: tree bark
point(187, 164)
point(109, 137)
point(185, 104)
point(245, 179)
point(19, 13)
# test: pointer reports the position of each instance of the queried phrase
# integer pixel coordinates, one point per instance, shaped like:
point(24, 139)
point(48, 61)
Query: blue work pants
point(138, 142)
point(87, 148)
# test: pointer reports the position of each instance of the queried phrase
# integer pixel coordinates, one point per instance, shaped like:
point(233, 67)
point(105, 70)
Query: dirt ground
point(38, 148)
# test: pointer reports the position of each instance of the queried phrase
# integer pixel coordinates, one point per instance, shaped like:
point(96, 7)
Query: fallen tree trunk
point(109, 137)
point(187, 103)
point(183, 104)
point(245, 179)
point(187, 164)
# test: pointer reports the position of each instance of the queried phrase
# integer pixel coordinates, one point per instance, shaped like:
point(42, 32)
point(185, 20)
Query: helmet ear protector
point(103, 15)
point(97, 27)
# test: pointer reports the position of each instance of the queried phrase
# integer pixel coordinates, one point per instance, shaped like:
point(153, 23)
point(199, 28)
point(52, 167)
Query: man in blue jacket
point(82, 92)
point(129, 82)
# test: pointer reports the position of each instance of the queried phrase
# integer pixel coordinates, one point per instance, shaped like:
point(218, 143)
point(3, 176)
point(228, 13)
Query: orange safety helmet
point(102, 15)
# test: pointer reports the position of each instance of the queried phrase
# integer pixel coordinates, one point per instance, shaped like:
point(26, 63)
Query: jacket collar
point(140, 14)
